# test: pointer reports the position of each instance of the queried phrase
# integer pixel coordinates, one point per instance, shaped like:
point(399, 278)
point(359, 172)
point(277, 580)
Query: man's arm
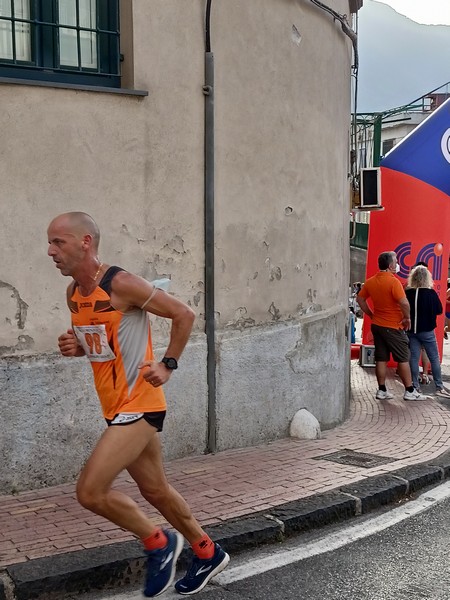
point(133, 291)
point(406, 311)
point(364, 306)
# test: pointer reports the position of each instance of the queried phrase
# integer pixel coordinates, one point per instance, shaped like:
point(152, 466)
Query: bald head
point(78, 224)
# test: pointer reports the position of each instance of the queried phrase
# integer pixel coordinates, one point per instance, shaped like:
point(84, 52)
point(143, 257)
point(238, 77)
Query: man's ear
point(86, 241)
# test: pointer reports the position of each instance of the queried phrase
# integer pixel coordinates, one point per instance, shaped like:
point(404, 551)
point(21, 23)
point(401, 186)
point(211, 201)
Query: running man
point(110, 326)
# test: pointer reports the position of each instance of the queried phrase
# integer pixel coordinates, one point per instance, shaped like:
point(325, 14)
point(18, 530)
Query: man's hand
point(68, 344)
point(406, 323)
point(155, 373)
point(364, 306)
point(404, 306)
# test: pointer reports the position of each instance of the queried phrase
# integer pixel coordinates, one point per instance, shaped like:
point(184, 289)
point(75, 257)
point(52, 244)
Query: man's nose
point(51, 251)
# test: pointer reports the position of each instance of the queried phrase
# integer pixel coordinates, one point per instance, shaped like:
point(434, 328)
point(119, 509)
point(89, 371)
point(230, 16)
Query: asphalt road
point(401, 554)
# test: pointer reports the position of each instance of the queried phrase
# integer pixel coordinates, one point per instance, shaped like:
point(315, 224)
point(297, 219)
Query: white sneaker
point(443, 393)
point(382, 395)
point(414, 395)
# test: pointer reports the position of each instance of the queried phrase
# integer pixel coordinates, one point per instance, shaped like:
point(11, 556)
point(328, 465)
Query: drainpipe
point(210, 329)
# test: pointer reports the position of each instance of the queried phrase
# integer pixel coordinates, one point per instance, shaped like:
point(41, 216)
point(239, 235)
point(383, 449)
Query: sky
point(429, 12)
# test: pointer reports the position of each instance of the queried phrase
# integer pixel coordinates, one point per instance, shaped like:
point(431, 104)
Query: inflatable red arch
point(415, 194)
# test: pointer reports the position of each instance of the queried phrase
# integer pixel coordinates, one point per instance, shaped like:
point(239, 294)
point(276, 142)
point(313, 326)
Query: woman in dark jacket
point(425, 306)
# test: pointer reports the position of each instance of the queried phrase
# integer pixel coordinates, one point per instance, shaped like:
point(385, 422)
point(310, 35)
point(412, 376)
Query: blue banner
point(425, 152)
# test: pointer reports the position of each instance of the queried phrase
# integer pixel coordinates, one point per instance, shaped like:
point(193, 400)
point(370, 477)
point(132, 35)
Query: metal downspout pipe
point(210, 329)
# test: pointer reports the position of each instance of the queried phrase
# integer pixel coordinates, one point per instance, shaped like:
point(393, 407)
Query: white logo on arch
point(445, 145)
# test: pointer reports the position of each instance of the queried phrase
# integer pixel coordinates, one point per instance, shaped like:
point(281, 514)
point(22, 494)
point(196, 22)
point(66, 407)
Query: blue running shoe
point(161, 565)
point(201, 571)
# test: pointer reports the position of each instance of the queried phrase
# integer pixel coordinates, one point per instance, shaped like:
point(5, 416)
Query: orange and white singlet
point(115, 343)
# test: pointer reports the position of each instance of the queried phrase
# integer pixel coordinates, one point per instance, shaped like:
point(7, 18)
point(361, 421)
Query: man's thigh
point(390, 341)
point(398, 342)
point(119, 447)
point(382, 351)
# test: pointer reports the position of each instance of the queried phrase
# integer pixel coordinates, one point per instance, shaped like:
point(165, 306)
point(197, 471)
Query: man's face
point(64, 246)
point(393, 265)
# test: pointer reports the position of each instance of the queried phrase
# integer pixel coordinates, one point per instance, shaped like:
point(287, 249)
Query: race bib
point(94, 341)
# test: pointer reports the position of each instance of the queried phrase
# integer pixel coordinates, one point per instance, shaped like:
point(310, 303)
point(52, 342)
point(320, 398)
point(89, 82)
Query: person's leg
point(424, 376)
point(209, 558)
point(380, 372)
point(403, 353)
point(381, 355)
point(119, 446)
point(148, 472)
point(405, 374)
point(428, 340)
point(425, 363)
point(415, 348)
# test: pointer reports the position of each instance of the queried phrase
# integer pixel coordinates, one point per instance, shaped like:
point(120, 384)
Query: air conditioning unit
point(370, 188)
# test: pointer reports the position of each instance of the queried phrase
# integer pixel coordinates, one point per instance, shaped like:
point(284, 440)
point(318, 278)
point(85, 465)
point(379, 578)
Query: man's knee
point(88, 496)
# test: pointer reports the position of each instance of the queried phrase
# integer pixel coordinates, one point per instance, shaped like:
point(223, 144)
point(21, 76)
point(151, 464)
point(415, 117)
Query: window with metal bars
point(69, 41)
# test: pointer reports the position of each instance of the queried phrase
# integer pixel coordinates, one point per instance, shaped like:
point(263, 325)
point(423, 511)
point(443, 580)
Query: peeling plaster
point(176, 245)
point(24, 342)
point(274, 272)
point(296, 36)
point(197, 298)
point(242, 320)
point(311, 295)
point(22, 307)
point(273, 310)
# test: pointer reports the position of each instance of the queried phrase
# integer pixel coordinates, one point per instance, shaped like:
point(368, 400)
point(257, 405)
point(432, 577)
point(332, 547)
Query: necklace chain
point(98, 272)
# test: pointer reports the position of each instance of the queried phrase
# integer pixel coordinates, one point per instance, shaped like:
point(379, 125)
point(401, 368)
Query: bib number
point(94, 341)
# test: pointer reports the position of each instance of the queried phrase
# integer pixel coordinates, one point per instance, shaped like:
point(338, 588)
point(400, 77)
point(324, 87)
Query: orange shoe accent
point(204, 548)
point(156, 541)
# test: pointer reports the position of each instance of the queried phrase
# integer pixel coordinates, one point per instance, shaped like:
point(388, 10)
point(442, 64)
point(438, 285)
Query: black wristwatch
point(170, 363)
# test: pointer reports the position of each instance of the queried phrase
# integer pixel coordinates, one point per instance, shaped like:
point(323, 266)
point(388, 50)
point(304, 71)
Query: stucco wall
point(282, 103)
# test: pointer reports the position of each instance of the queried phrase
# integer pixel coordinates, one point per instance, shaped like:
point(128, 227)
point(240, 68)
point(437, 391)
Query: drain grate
point(356, 459)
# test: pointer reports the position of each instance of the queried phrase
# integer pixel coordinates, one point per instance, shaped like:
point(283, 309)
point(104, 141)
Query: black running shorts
point(156, 419)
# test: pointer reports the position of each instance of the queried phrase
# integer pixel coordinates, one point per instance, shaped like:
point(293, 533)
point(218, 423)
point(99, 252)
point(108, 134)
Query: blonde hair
point(420, 277)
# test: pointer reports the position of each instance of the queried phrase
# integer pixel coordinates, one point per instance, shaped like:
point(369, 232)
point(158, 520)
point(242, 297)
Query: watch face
point(170, 363)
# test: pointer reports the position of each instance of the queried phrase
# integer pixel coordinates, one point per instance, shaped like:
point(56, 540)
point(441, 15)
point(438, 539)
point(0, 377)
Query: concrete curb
point(121, 564)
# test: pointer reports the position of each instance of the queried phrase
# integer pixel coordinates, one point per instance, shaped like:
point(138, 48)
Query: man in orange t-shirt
point(390, 319)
